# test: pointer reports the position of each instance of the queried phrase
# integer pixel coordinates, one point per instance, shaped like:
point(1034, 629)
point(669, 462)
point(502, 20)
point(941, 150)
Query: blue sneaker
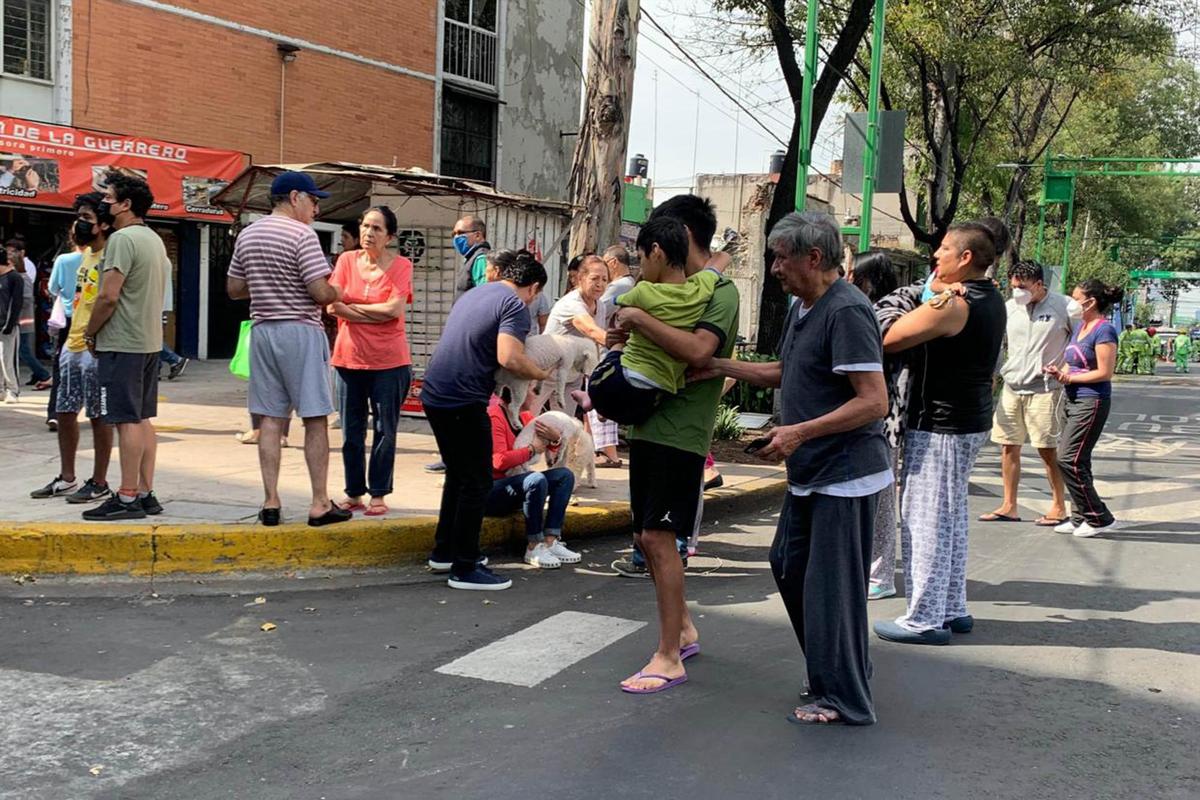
point(481, 580)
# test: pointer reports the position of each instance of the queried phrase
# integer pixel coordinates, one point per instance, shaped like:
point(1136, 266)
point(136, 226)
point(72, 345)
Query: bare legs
point(316, 456)
point(269, 435)
point(138, 450)
point(1010, 470)
point(674, 623)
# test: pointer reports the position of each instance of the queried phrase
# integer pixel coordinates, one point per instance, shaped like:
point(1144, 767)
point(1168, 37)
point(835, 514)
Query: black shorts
point(666, 486)
point(615, 398)
point(128, 386)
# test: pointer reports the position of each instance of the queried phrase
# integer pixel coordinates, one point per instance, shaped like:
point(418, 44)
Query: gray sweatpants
point(820, 558)
point(10, 373)
point(883, 545)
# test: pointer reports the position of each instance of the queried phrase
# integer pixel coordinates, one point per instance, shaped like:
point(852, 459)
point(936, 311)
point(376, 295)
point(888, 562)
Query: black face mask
point(84, 232)
point(105, 210)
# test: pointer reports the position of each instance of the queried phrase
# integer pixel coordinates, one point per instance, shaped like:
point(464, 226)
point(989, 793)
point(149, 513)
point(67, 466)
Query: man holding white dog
point(486, 330)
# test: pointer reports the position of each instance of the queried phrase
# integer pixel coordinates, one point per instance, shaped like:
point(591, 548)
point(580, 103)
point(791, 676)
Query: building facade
point(482, 89)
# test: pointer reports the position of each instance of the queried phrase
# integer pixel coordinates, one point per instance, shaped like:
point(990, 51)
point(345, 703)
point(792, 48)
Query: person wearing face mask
point(1091, 356)
point(1030, 403)
point(955, 343)
point(77, 380)
point(61, 290)
point(470, 240)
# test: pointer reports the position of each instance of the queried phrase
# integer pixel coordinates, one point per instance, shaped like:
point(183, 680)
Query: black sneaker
point(150, 504)
point(113, 509)
point(439, 566)
point(481, 580)
point(177, 368)
point(55, 488)
point(90, 492)
point(628, 568)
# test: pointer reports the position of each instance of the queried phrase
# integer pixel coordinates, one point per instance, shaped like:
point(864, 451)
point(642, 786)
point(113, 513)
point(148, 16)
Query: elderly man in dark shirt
point(833, 395)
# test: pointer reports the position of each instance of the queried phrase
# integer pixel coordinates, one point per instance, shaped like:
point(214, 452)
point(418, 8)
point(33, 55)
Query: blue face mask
point(460, 244)
point(928, 294)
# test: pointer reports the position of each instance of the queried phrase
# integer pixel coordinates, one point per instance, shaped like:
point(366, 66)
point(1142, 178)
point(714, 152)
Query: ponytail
point(1105, 296)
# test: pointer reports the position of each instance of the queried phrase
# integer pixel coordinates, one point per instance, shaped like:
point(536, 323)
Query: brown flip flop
point(1049, 522)
point(998, 518)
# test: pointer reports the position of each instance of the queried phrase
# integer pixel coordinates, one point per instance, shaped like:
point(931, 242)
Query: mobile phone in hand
point(758, 444)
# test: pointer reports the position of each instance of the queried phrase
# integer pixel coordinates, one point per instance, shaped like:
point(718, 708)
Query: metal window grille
point(26, 40)
point(469, 41)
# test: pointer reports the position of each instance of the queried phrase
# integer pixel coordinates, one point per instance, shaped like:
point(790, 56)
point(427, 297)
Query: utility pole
point(598, 168)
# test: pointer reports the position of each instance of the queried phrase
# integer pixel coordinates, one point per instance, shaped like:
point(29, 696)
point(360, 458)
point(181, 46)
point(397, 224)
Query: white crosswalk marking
point(530, 656)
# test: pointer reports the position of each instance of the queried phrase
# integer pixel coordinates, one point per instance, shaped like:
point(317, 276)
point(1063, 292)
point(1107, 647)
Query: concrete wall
point(541, 91)
point(206, 72)
point(887, 225)
point(743, 203)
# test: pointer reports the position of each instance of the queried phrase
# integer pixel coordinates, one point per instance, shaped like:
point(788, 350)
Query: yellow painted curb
point(103, 549)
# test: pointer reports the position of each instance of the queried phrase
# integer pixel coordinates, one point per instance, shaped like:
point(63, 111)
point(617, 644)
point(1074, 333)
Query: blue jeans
point(528, 492)
point(383, 391)
point(40, 373)
point(169, 356)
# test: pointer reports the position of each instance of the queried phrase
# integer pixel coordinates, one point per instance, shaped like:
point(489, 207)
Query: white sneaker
point(1065, 527)
point(1086, 531)
point(564, 553)
point(10, 398)
point(541, 557)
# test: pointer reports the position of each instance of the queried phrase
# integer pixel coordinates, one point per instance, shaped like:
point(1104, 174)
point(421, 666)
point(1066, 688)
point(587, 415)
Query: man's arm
point(323, 293)
point(695, 347)
point(768, 374)
point(237, 289)
point(106, 301)
point(869, 403)
point(510, 354)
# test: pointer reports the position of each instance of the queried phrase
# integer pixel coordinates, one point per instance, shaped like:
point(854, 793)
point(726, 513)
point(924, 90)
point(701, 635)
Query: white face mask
point(1023, 297)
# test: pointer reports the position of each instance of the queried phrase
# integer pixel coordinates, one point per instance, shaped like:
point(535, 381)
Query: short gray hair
point(800, 232)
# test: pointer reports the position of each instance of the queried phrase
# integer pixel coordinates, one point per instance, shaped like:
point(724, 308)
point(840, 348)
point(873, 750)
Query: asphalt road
point(1078, 682)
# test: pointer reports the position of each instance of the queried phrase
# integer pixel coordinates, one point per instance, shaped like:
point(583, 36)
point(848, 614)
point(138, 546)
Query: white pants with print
point(933, 525)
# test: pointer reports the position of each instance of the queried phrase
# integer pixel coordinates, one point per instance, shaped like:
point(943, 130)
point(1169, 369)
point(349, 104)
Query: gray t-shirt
point(837, 335)
point(539, 307)
point(1037, 336)
point(571, 305)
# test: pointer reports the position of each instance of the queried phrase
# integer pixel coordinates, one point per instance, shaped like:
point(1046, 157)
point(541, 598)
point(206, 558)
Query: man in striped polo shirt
point(279, 265)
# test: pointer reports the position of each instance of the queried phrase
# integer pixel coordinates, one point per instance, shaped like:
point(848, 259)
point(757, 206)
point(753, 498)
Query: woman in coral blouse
point(372, 357)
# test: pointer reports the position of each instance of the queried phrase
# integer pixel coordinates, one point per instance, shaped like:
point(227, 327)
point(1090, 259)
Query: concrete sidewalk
point(210, 488)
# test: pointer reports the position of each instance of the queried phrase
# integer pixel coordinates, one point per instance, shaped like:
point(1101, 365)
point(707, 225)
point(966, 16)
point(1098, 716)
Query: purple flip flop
point(667, 685)
point(687, 652)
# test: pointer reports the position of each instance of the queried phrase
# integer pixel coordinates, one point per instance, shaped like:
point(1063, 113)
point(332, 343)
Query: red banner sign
point(48, 165)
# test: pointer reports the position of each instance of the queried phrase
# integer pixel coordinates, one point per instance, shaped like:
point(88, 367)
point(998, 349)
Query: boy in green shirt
point(629, 383)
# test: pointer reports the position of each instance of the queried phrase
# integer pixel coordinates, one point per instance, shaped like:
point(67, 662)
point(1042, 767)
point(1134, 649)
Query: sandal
point(376, 510)
point(1049, 522)
point(815, 714)
point(667, 683)
point(994, 517)
point(610, 463)
point(348, 505)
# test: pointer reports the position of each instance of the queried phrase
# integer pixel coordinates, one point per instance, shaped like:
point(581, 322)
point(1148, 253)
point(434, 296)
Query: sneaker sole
point(478, 587)
point(116, 517)
point(881, 595)
point(540, 565)
point(64, 493)
point(570, 560)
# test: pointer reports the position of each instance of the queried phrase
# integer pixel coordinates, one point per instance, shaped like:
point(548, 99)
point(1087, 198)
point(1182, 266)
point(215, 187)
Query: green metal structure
point(1058, 188)
point(871, 151)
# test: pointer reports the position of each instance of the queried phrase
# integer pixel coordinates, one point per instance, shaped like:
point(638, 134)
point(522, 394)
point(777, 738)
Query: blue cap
point(287, 182)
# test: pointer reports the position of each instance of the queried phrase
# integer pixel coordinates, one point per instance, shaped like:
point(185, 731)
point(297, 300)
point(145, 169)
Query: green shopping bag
point(240, 365)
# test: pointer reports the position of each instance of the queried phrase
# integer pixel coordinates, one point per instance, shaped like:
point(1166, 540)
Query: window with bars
point(468, 136)
point(469, 41)
point(26, 39)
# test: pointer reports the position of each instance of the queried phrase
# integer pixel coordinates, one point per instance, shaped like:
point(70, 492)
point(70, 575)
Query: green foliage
point(1143, 314)
point(749, 398)
point(727, 427)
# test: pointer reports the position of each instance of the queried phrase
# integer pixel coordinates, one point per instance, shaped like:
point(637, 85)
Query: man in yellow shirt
point(78, 377)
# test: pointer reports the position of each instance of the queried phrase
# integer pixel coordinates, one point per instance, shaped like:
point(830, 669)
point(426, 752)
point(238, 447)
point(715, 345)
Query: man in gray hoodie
point(1030, 405)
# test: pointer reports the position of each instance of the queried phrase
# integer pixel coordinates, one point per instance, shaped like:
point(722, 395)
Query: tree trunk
point(597, 169)
point(774, 306)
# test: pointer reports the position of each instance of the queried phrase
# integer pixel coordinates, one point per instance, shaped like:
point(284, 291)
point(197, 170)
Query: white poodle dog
point(566, 357)
point(577, 452)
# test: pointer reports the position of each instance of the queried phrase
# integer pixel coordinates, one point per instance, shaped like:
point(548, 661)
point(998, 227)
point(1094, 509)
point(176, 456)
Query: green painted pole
point(1041, 238)
point(871, 151)
point(1066, 259)
point(804, 146)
